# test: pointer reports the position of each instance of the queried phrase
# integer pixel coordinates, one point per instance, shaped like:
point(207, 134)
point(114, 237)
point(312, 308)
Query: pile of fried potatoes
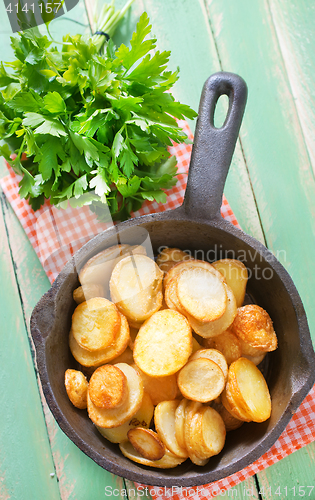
point(168, 353)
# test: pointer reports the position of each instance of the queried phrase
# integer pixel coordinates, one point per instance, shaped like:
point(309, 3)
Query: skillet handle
point(214, 147)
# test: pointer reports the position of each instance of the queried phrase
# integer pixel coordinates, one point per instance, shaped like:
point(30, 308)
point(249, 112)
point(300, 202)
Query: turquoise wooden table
point(270, 187)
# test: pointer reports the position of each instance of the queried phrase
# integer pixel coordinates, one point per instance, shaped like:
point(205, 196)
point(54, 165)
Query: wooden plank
point(272, 139)
point(78, 476)
point(27, 468)
point(294, 26)
point(288, 478)
point(278, 163)
point(182, 27)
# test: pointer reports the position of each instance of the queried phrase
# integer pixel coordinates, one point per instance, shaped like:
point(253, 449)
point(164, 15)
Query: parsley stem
point(107, 21)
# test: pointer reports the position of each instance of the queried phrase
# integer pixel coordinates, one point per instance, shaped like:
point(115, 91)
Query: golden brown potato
point(228, 344)
point(137, 324)
point(159, 388)
point(255, 359)
point(192, 263)
point(76, 387)
point(108, 387)
point(133, 334)
point(147, 443)
point(180, 423)
point(248, 350)
point(201, 380)
point(163, 344)
point(164, 421)
point(95, 323)
point(136, 287)
point(250, 389)
point(196, 345)
point(192, 416)
point(233, 406)
point(142, 418)
point(86, 292)
point(236, 276)
point(209, 433)
point(169, 257)
point(213, 355)
point(171, 297)
point(168, 461)
point(98, 269)
point(252, 353)
point(113, 417)
point(101, 356)
point(231, 423)
point(125, 357)
point(202, 294)
point(254, 325)
point(215, 328)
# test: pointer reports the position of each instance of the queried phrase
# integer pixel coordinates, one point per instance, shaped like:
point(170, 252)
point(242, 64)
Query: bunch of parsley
point(94, 128)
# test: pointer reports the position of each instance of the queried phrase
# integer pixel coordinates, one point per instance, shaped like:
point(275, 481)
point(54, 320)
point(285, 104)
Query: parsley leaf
point(94, 126)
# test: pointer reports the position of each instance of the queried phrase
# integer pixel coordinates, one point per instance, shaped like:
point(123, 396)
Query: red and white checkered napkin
point(56, 234)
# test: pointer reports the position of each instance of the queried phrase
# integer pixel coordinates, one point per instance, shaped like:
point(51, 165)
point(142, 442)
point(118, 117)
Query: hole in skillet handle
point(220, 112)
point(214, 147)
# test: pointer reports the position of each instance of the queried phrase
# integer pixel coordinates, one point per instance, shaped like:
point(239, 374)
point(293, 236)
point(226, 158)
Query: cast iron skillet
point(196, 225)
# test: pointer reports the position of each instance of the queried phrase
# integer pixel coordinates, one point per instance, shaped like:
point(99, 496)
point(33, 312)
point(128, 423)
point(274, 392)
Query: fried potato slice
point(137, 324)
point(108, 387)
point(163, 344)
point(76, 386)
point(196, 345)
point(86, 292)
point(254, 325)
point(142, 418)
point(228, 344)
point(164, 421)
point(180, 423)
point(95, 323)
point(125, 357)
point(250, 388)
point(215, 328)
point(236, 275)
point(171, 298)
point(168, 461)
point(202, 294)
point(191, 263)
point(159, 388)
point(255, 359)
point(147, 443)
point(232, 406)
point(98, 269)
point(248, 350)
point(135, 287)
point(213, 355)
point(231, 423)
point(192, 416)
point(133, 334)
point(168, 257)
point(251, 353)
point(201, 380)
point(210, 434)
point(113, 417)
point(97, 358)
